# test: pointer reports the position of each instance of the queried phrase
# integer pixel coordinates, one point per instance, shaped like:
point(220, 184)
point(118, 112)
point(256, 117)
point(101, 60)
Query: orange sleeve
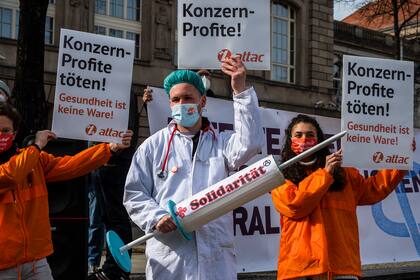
point(299, 201)
point(68, 167)
point(374, 188)
point(18, 167)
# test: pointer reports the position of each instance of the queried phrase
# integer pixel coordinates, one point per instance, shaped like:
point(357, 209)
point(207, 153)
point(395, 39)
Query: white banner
point(389, 231)
point(212, 30)
point(377, 112)
point(92, 94)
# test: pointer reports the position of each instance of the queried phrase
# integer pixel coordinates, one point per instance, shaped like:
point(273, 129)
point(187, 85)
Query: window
point(49, 30)
point(116, 8)
point(9, 26)
point(125, 21)
point(120, 34)
point(126, 9)
point(17, 25)
point(100, 30)
point(116, 33)
point(5, 23)
point(133, 10)
point(100, 7)
point(136, 38)
point(283, 43)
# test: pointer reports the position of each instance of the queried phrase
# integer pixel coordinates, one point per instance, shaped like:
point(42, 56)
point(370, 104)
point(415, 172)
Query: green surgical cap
point(184, 76)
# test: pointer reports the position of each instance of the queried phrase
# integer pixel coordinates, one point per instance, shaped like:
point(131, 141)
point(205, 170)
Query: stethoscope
point(163, 173)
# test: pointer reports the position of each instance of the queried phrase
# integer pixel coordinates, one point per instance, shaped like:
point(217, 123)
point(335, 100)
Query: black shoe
point(100, 275)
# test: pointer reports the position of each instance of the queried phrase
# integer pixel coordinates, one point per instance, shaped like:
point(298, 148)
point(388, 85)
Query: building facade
point(305, 50)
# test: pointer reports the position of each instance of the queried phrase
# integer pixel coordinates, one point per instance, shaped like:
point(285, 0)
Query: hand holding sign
point(42, 137)
point(237, 71)
point(147, 95)
point(126, 141)
point(334, 160)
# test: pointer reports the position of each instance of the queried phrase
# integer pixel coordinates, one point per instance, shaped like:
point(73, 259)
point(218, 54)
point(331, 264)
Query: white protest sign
point(211, 30)
point(92, 94)
point(377, 112)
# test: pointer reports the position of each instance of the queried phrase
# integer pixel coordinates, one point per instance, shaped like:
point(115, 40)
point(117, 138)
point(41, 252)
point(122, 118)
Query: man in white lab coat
point(182, 159)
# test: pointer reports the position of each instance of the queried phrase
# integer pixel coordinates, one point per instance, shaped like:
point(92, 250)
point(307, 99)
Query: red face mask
point(6, 141)
point(302, 144)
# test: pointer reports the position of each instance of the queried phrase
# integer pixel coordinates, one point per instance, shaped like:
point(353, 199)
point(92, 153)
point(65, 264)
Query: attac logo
point(244, 56)
point(91, 129)
point(378, 157)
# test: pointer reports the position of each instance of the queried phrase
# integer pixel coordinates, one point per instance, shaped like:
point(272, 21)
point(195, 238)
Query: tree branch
point(408, 19)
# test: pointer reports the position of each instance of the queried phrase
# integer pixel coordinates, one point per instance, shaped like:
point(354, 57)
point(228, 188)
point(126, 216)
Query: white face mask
point(206, 82)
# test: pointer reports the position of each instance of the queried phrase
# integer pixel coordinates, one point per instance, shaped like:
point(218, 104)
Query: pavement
point(386, 271)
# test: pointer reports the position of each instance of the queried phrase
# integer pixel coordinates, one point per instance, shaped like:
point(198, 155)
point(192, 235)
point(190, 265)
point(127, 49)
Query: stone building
point(305, 51)
point(303, 48)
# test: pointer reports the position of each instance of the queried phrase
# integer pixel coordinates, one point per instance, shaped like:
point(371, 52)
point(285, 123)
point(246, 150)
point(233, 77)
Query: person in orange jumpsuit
point(25, 231)
point(317, 204)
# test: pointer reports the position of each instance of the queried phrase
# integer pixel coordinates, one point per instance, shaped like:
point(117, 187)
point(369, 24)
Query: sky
point(343, 9)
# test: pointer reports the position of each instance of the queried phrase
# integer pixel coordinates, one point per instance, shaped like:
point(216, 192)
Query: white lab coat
point(210, 254)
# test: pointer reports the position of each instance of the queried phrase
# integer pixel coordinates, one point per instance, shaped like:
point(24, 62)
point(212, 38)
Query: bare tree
point(401, 11)
point(28, 91)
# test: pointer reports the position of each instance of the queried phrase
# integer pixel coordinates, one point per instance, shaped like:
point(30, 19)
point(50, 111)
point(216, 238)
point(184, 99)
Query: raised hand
point(234, 67)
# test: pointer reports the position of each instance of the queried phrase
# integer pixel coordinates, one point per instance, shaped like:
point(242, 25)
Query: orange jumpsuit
point(319, 229)
point(25, 232)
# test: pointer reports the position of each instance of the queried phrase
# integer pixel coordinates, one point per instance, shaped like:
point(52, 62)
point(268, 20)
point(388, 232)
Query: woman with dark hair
point(317, 203)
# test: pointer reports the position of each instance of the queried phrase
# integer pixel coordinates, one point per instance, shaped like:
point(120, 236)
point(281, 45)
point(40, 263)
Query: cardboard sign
point(92, 94)
point(377, 112)
point(210, 31)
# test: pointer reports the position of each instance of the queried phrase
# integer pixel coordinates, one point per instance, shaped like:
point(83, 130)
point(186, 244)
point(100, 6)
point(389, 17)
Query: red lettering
point(194, 204)
point(203, 201)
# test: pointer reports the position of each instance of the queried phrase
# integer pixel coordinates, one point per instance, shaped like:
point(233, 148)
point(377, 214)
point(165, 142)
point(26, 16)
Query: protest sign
point(92, 95)
point(377, 112)
point(211, 30)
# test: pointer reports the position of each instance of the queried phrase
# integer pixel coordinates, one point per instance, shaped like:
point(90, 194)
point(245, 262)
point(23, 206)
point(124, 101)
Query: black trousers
point(110, 189)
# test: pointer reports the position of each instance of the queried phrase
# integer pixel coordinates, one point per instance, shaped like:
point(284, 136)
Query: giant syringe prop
point(217, 200)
